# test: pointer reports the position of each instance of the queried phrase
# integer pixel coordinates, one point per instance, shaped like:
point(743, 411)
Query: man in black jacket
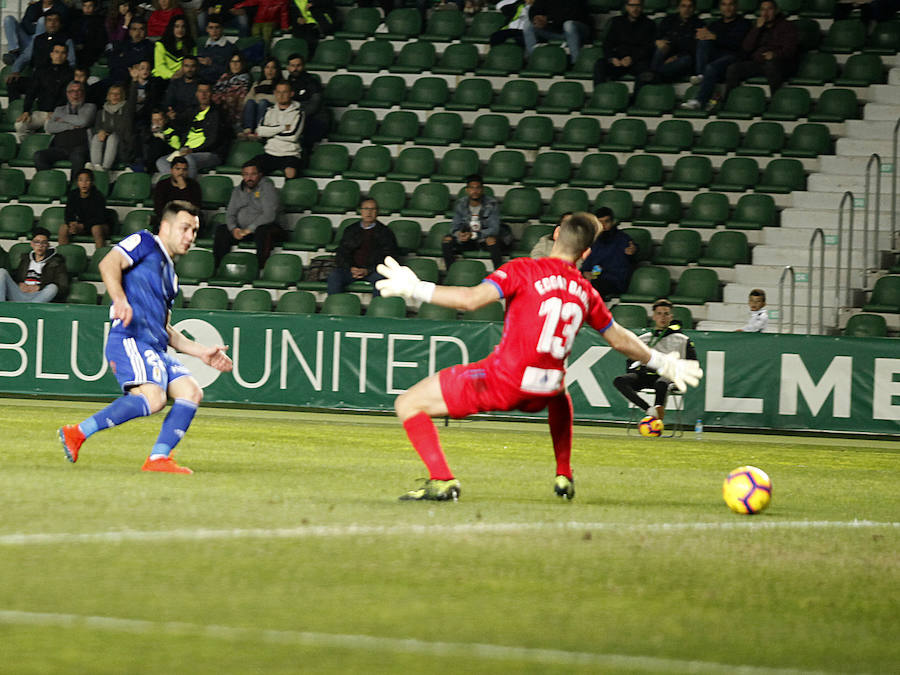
point(129, 52)
point(568, 20)
point(46, 93)
point(40, 277)
point(364, 245)
point(676, 43)
point(308, 93)
point(202, 133)
point(629, 45)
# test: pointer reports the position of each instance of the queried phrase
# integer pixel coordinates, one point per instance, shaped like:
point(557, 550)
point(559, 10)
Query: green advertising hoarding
point(755, 381)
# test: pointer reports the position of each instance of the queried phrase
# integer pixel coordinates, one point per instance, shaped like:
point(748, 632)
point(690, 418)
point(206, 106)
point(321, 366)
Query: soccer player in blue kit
point(139, 274)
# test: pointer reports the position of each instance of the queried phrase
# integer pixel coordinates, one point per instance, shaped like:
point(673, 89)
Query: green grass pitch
point(287, 551)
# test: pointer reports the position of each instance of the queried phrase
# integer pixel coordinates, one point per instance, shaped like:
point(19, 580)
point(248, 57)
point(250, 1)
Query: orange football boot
point(71, 438)
point(164, 465)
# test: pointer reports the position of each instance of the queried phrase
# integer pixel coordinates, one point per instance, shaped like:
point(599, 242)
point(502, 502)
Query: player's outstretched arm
point(682, 372)
point(111, 269)
point(403, 282)
point(214, 356)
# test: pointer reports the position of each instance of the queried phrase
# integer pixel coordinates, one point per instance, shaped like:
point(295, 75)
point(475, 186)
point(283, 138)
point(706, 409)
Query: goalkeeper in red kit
point(547, 300)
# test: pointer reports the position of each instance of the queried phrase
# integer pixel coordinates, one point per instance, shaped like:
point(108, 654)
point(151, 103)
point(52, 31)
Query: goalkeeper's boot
point(564, 487)
point(435, 490)
point(164, 465)
point(71, 438)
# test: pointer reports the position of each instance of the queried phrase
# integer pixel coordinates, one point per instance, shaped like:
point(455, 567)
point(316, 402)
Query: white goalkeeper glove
point(402, 281)
point(681, 372)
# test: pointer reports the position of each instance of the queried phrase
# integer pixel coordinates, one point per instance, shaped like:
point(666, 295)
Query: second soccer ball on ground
point(650, 426)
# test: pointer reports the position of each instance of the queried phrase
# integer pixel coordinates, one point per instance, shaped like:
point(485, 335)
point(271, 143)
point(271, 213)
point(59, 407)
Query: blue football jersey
point(150, 285)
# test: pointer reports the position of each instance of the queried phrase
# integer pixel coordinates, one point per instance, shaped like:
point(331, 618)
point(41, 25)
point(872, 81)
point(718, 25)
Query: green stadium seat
point(487, 131)
point(433, 312)
point(762, 139)
point(696, 286)
point(644, 242)
point(30, 145)
point(236, 269)
point(427, 93)
point(647, 285)
point(369, 162)
point(815, 69)
point(327, 161)
point(310, 233)
point(505, 167)
point(861, 70)
point(502, 60)
point(596, 170)
point(866, 325)
point(45, 187)
point(359, 23)
point(92, 273)
point(52, 217)
point(672, 136)
point(335, 242)
point(386, 308)
point(390, 196)
point(445, 26)
point(752, 212)
point(195, 266)
point(386, 91)
point(354, 126)
point(788, 104)
point(331, 55)
point(690, 172)
point(425, 268)
point(18, 251)
point(583, 68)
point(82, 293)
point(209, 298)
point(281, 270)
point(402, 23)
point(342, 304)
point(520, 204)
point(718, 137)
point(563, 201)
point(782, 176)
point(809, 34)
point(550, 169)
point(413, 164)
point(465, 273)
point(431, 246)
point(493, 311)
point(531, 133)
point(818, 9)
point(8, 147)
point(547, 60)
point(620, 201)
point(653, 100)
point(12, 184)
point(484, 24)
point(726, 249)
point(298, 194)
point(471, 94)
point(427, 201)
point(625, 135)
point(297, 302)
point(457, 58)
point(679, 247)
point(253, 300)
point(516, 96)
point(441, 128)
point(408, 234)
point(884, 38)
point(737, 174)
point(836, 105)
point(640, 172)
point(579, 133)
point(844, 36)
point(658, 210)
point(215, 191)
point(456, 164)
point(343, 90)
point(633, 317)
point(885, 296)
point(339, 196)
point(15, 108)
point(398, 126)
point(744, 103)
point(808, 140)
point(707, 210)
point(75, 257)
point(562, 98)
point(16, 220)
point(240, 152)
point(608, 98)
point(530, 237)
point(132, 189)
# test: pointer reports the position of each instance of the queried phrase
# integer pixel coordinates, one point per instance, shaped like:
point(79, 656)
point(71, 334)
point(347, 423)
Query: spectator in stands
point(517, 12)
point(364, 245)
point(85, 211)
point(158, 140)
point(161, 17)
point(568, 20)
point(181, 92)
point(140, 103)
point(202, 135)
point(676, 43)
point(308, 93)
point(119, 15)
point(665, 337)
point(230, 90)
point(171, 48)
point(20, 33)
point(252, 212)
point(718, 46)
point(177, 186)
point(611, 261)
point(313, 19)
point(215, 52)
point(46, 93)
point(629, 45)
point(37, 53)
point(544, 245)
point(759, 315)
point(131, 50)
point(770, 49)
point(260, 97)
point(41, 276)
point(476, 224)
point(281, 127)
point(69, 125)
point(270, 15)
point(224, 9)
point(93, 93)
point(88, 34)
point(111, 140)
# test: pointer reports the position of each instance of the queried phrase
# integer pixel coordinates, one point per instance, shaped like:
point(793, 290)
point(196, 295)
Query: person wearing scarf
point(111, 137)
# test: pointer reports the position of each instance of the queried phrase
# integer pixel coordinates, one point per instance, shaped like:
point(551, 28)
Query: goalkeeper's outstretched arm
point(403, 282)
point(682, 372)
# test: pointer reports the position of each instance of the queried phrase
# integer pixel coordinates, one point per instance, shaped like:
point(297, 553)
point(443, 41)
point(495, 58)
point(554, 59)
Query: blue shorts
point(134, 363)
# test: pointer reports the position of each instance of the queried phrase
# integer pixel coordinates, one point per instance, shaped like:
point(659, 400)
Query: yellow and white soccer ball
point(650, 426)
point(747, 490)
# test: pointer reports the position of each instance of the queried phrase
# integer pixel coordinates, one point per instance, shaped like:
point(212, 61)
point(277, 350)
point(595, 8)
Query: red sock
point(424, 437)
point(559, 416)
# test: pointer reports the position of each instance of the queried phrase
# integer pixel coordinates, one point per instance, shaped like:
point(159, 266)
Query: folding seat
point(744, 103)
point(445, 27)
point(82, 293)
point(432, 312)
point(12, 184)
point(354, 126)
point(310, 234)
point(583, 68)
point(465, 273)
point(431, 246)
point(672, 136)
point(215, 191)
point(644, 242)
point(236, 269)
point(92, 273)
point(408, 234)
point(808, 140)
point(502, 60)
point(620, 201)
point(16, 220)
point(815, 69)
point(133, 189)
point(397, 127)
point(298, 194)
point(836, 105)
point(45, 187)
point(884, 38)
point(413, 164)
point(726, 249)
point(809, 34)
point(752, 212)
point(818, 9)
point(53, 216)
point(640, 172)
point(425, 268)
point(679, 247)
point(381, 307)
point(690, 172)
point(633, 317)
point(608, 98)
point(762, 139)
point(359, 23)
point(343, 90)
point(441, 128)
point(718, 138)
point(653, 100)
point(885, 296)
point(386, 91)
point(427, 93)
point(530, 237)
point(12, 112)
point(8, 147)
point(30, 145)
point(647, 285)
point(281, 270)
point(415, 57)
point(195, 266)
point(579, 133)
point(372, 57)
point(562, 98)
point(563, 201)
point(335, 242)
point(331, 55)
point(516, 96)
point(658, 210)
point(456, 164)
point(547, 60)
point(696, 286)
point(240, 152)
point(339, 196)
point(18, 251)
point(296, 302)
point(866, 325)
point(427, 201)
point(487, 131)
point(624, 135)
point(282, 49)
point(342, 304)
point(471, 94)
point(457, 59)
point(369, 162)
point(782, 176)
point(532, 133)
point(253, 300)
point(518, 205)
point(390, 196)
point(550, 169)
point(76, 258)
point(861, 70)
point(788, 103)
point(596, 170)
point(737, 174)
point(707, 210)
point(844, 36)
point(402, 24)
point(505, 167)
point(493, 311)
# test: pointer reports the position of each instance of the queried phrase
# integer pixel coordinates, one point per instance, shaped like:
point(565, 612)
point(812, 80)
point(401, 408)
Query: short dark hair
point(296, 55)
point(40, 232)
point(214, 18)
point(758, 293)
point(189, 57)
point(176, 206)
point(578, 233)
point(53, 12)
point(181, 159)
point(605, 212)
point(662, 302)
point(474, 178)
point(88, 172)
point(139, 18)
point(252, 162)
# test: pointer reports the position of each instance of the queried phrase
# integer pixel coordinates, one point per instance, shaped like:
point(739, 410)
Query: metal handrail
point(894, 186)
point(848, 196)
point(819, 234)
point(876, 159)
point(786, 270)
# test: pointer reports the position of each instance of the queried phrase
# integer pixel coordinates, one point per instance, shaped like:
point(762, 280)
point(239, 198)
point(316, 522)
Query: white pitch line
point(331, 531)
point(553, 657)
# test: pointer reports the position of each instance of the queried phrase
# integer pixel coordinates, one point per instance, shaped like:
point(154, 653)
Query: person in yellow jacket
point(170, 50)
point(311, 20)
point(205, 139)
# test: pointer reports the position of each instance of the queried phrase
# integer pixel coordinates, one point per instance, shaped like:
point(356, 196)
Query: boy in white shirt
point(759, 315)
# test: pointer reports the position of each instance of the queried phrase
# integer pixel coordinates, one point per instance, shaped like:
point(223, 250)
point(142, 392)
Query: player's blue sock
point(121, 410)
point(174, 427)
